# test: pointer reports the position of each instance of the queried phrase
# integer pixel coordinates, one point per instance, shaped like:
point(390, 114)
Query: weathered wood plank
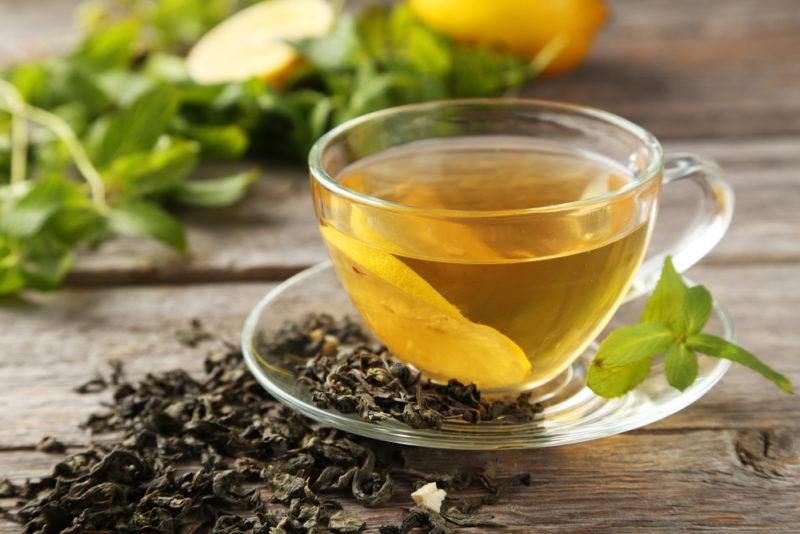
point(52, 343)
point(680, 67)
point(694, 69)
point(637, 482)
point(33, 29)
point(683, 69)
point(269, 236)
point(273, 232)
point(55, 342)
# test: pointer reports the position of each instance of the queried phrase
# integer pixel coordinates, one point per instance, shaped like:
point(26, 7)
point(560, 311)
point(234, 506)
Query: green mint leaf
point(427, 52)
point(372, 25)
point(110, 46)
point(479, 72)
point(149, 220)
point(82, 85)
point(616, 381)
point(177, 23)
point(138, 126)
point(221, 142)
point(320, 118)
point(215, 193)
point(667, 297)
point(166, 67)
point(695, 311)
point(680, 366)
point(369, 93)
point(11, 280)
point(630, 344)
point(45, 260)
point(24, 216)
point(334, 50)
point(73, 224)
point(124, 86)
point(58, 82)
point(416, 45)
point(148, 173)
point(202, 97)
point(715, 346)
point(33, 81)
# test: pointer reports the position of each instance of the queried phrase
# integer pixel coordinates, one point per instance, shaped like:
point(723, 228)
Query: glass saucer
point(572, 412)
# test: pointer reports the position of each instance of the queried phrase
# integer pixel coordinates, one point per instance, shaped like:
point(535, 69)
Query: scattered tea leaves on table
point(177, 453)
point(345, 522)
point(50, 444)
point(671, 324)
point(194, 334)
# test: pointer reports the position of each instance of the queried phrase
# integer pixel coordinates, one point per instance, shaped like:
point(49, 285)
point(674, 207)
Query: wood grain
point(716, 68)
point(681, 68)
point(636, 482)
point(273, 233)
point(269, 236)
point(53, 343)
point(35, 28)
point(685, 70)
point(717, 77)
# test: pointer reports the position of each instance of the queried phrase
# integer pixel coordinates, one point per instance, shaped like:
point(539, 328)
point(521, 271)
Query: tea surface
point(505, 302)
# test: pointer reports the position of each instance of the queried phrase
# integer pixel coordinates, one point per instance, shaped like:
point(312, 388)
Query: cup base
point(541, 391)
point(572, 412)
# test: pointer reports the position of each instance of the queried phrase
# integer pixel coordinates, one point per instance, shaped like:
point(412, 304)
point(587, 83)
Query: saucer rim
point(451, 435)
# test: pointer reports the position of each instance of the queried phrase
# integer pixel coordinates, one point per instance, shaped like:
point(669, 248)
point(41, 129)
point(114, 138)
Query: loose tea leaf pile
point(343, 369)
point(174, 453)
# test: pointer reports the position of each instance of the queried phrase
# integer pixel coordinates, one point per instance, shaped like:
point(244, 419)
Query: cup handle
point(709, 225)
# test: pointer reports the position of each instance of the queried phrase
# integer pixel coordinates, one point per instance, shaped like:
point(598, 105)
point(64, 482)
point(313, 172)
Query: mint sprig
point(113, 137)
point(671, 324)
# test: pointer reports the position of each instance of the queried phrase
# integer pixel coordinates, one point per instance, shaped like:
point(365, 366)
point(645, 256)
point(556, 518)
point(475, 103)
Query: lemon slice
point(418, 324)
point(426, 237)
point(253, 42)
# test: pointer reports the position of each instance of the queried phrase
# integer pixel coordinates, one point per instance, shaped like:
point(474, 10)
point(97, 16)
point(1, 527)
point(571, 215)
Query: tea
point(460, 284)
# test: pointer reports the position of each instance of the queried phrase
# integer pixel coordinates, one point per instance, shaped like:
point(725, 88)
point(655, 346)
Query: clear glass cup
point(376, 244)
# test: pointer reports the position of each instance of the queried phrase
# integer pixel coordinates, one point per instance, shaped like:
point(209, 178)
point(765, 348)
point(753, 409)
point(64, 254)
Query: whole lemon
point(523, 27)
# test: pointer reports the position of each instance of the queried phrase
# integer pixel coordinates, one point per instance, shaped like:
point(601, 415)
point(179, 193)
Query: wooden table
point(719, 77)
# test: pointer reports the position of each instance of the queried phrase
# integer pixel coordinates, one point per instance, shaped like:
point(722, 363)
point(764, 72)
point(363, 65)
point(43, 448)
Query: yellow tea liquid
point(503, 300)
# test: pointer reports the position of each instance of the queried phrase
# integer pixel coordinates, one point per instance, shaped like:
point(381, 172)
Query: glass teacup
point(491, 241)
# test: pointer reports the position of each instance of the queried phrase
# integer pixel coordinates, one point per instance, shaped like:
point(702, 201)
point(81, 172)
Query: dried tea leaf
point(462, 519)
point(192, 454)
point(194, 334)
point(346, 522)
point(285, 486)
point(8, 489)
point(50, 444)
point(417, 517)
point(343, 370)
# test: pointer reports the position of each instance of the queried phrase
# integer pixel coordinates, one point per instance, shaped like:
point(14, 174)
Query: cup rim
point(641, 178)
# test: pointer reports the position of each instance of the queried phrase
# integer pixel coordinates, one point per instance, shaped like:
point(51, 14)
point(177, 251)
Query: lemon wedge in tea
point(419, 324)
point(254, 41)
